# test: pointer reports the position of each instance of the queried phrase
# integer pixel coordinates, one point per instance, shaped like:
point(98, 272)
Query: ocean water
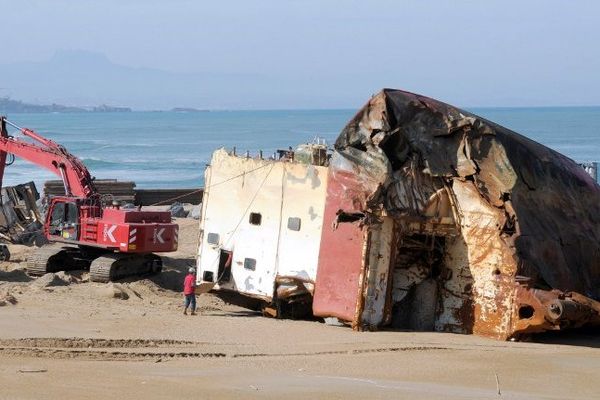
point(171, 149)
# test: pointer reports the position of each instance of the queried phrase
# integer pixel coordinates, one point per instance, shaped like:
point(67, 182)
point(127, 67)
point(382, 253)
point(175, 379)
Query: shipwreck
point(425, 217)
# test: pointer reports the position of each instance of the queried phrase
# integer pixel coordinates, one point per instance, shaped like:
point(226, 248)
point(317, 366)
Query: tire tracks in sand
point(158, 350)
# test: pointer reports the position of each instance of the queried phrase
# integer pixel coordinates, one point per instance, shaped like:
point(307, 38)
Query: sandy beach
point(79, 340)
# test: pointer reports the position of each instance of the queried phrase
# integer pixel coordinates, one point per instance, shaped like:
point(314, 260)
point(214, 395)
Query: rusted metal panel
point(377, 273)
point(353, 277)
point(480, 260)
point(341, 257)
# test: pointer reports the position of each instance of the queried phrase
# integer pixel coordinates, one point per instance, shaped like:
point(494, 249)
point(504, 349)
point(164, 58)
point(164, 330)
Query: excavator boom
point(47, 154)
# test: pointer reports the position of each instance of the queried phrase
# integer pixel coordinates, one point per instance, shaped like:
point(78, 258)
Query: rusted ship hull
point(491, 233)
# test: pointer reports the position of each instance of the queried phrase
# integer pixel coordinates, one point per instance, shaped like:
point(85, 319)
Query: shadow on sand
point(17, 275)
point(244, 313)
point(173, 273)
point(587, 337)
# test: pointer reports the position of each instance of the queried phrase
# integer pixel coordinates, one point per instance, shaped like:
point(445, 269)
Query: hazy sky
point(333, 53)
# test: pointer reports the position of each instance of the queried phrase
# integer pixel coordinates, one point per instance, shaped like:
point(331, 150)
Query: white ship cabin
point(261, 224)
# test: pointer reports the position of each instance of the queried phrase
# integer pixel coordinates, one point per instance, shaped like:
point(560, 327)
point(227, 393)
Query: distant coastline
point(187, 109)
point(8, 105)
point(12, 106)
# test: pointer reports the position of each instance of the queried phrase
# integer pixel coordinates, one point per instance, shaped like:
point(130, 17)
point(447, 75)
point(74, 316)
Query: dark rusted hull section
point(493, 233)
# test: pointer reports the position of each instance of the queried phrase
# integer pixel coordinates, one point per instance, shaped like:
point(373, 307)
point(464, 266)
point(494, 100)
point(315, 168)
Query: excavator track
point(54, 259)
point(100, 269)
point(103, 267)
point(37, 264)
point(111, 267)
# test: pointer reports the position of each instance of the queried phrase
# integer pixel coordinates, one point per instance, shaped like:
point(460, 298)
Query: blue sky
point(317, 54)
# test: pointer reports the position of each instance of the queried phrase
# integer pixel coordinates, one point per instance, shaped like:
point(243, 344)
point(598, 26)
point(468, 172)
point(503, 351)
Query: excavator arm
point(47, 154)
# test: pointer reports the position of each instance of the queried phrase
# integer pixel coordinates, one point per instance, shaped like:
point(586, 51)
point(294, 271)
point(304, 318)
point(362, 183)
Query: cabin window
point(58, 216)
point(250, 263)
point(213, 238)
point(64, 221)
point(208, 276)
point(255, 218)
point(294, 223)
point(71, 214)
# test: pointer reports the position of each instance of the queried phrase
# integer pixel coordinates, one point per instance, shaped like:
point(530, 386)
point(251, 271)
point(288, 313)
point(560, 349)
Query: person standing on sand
point(189, 291)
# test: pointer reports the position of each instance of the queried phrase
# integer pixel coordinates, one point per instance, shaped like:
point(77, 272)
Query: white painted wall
point(304, 193)
point(236, 187)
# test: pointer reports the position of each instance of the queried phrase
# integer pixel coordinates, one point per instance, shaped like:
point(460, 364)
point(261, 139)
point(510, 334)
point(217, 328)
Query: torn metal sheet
point(506, 229)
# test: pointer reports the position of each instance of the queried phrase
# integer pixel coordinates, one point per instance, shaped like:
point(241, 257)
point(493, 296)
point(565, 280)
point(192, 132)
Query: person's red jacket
point(189, 283)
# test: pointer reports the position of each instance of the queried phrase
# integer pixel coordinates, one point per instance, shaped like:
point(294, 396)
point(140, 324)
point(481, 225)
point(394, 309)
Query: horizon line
point(204, 110)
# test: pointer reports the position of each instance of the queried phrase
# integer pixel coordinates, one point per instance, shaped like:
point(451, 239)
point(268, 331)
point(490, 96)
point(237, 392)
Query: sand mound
point(52, 279)
point(112, 291)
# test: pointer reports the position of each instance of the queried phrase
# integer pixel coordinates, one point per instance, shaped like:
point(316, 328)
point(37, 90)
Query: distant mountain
point(83, 78)
point(8, 105)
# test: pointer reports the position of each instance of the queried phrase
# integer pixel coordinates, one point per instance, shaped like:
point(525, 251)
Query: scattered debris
point(333, 321)
point(177, 210)
point(269, 312)
point(591, 168)
point(6, 299)
point(20, 218)
point(65, 277)
point(196, 212)
point(497, 384)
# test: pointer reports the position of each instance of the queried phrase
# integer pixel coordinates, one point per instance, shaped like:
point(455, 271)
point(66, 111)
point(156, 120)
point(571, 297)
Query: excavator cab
point(64, 219)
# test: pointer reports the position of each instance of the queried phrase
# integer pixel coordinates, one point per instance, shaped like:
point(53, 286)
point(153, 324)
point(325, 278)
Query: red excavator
point(95, 232)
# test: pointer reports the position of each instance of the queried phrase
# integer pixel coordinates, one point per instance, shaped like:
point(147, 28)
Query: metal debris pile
point(20, 218)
